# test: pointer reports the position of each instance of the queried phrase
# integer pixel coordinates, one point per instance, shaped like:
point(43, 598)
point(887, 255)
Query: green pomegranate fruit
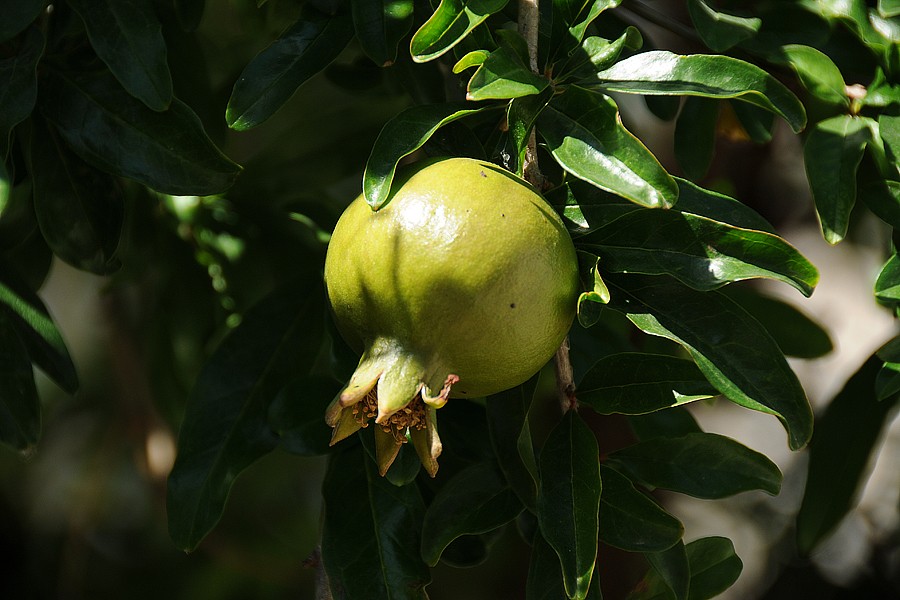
point(463, 285)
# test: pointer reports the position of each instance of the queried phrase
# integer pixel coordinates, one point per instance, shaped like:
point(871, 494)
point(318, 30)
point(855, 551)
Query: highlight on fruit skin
point(463, 285)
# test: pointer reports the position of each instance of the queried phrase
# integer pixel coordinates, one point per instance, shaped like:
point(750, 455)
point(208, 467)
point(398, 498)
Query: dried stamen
point(366, 409)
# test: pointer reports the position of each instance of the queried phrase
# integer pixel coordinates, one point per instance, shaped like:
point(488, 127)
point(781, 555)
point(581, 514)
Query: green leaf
point(296, 414)
point(583, 131)
point(634, 384)
point(127, 36)
point(832, 153)
point(720, 31)
point(545, 577)
point(839, 453)
point(189, 13)
point(569, 500)
point(167, 151)
point(695, 135)
point(503, 76)
point(889, 8)
point(713, 567)
point(698, 201)
point(579, 19)
point(18, 85)
point(401, 136)
point(794, 332)
point(18, 15)
point(700, 252)
point(80, 210)
point(20, 408)
point(451, 22)
point(380, 25)
point(590, 302)
point(596, 54)
point(226, 427)
point(732, 349)
point(630, 520)
point(756, 122)
point(507, 415)
point(671, 569)
point(370, 535)
point(887, 286)
point(521, 117)
point(663, 423)
point(37, 331)
point(476, 500)
point(272, 77)
point(817, 73)
point(889, 130)
point(712, 76)
point(703, 465)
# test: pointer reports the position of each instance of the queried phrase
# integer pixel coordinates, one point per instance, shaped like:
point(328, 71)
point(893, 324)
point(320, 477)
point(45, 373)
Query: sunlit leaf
point(712, 76)
point(504, 76)
point(450, 23)
point(583, 131)
point(718, 30)
point(818, 74)
point(127, 36)
point(401, 136)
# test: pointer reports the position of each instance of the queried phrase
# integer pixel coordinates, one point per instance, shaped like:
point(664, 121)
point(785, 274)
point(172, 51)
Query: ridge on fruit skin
point(463, 285)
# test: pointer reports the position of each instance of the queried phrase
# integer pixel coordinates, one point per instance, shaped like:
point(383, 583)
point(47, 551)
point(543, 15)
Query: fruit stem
point(565, 380)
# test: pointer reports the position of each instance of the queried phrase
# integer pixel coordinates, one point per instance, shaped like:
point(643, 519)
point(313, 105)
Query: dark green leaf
point(37, 331)
point(167, 151)
point(297, 414)
point(401, 136)
point(663, 107)
point(663, 423)
point(703, 465)
point(476, 500)
point(521, 116)
point(189, 13)
point(634, 384)
point(504, 76)
point(756, 122)
point(370, 535)
point(80, 210)
point(668, 578)
point(18, 85)
point(832, 153)
point(700, 252)
point(889, 130)
point(794, 332)
point(17, 15)
point(718, 30)
point(569, 500)
point(714, 567)
point(881, 196)
point(380, 25)
point(818, 74)
point(713, 76)
point(128, 37)
point(887, 383)
point(839, 453)
point(507, 414)
point(586, 137)
point(545, 577)
point(695, 135)
point(631, 520)
point(226, 427)
point(451, 22)
point(274, 74)
point(695, 200)
point(732, 348)
point(20, 408)
point(887, 286)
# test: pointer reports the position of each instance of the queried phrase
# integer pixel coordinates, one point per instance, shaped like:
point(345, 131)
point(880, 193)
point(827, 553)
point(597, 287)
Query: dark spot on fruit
point(502, 214)
point(483, 174)
point(512, 305)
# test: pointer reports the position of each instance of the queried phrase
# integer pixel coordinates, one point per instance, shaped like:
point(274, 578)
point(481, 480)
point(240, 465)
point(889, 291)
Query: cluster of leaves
point(94, 118)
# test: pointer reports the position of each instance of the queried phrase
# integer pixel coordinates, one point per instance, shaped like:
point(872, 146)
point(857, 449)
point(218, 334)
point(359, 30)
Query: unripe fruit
point(463, 285)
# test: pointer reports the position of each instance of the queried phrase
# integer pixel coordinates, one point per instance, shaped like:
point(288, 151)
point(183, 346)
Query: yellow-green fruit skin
point(466, 268)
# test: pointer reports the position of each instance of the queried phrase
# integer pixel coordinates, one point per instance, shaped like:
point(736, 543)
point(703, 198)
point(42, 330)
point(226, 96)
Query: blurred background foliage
point(83, 514)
